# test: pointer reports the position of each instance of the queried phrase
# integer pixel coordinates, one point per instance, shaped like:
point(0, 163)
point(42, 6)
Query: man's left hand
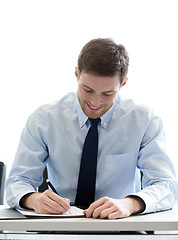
point(114, 208)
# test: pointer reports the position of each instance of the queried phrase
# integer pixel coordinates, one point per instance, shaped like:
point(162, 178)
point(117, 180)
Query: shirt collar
point(105, 118)
point(81, 115)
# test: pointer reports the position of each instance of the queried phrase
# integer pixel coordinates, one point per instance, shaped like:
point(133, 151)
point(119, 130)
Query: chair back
point(2, 181)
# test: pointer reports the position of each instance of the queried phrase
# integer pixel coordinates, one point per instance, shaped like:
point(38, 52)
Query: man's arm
point(29, 162)
point(47, 202)
point(115, 208)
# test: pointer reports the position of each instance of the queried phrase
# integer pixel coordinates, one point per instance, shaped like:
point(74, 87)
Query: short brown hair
point(104, 57)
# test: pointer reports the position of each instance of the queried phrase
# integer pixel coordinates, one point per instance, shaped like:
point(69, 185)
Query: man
point(131, 139)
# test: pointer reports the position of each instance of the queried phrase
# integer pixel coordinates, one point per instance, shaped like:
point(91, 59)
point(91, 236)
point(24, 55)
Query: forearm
point(159, 196)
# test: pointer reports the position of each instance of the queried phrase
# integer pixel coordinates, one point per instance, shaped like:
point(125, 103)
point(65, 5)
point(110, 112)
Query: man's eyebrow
point(87, 86)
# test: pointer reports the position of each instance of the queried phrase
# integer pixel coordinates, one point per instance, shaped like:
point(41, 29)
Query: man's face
point(96, 94)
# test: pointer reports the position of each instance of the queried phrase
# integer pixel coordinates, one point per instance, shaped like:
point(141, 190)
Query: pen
point(53, 188)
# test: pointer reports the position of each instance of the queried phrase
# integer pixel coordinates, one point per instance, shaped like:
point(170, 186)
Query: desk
point(86, 237)
point(161, 221)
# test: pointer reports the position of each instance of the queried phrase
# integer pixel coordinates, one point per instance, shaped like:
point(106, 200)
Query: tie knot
point(94, 122)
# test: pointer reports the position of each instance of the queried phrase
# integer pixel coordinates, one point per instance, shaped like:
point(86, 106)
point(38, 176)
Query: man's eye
point(88, 90)
point(107, 94)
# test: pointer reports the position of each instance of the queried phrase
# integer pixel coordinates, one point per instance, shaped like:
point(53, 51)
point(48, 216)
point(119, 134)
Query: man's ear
point(76, 72)
point(124, 82)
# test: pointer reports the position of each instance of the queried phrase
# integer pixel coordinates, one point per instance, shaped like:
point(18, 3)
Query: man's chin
point(94, 115)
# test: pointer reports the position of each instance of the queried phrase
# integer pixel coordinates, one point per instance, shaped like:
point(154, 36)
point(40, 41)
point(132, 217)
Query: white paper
point(73, 212)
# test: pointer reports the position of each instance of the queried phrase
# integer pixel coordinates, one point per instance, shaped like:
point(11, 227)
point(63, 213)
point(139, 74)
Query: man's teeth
point(94, 107)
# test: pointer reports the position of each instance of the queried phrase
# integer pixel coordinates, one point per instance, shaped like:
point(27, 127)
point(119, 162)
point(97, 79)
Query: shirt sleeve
point(27, 169)
point(160, 187)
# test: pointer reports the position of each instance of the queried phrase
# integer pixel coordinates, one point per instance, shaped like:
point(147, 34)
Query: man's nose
point(95, 100)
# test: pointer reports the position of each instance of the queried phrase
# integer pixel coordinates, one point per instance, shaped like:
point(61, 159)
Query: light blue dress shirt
point(131, 139)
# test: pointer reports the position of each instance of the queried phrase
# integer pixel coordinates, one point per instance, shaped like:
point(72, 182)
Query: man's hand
point(114, 208)
point(46, 202)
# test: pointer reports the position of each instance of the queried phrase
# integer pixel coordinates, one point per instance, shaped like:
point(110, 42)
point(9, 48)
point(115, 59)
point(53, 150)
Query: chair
point(2, 181)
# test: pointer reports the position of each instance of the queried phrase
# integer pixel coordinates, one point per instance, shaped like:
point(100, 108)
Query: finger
point(59, 200)
point(46, 209)
point(97, 212)
point(67, 200)
point(84, 211)
point(54, 203)
point(95, 205)
point(107, 212)
point(42, 205)
point(50, 206)
point(115, 215)
point(118, 212)
point(54, 207)
point(103, 210)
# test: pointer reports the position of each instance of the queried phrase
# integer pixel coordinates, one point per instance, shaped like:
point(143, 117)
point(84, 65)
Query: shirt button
point(104, 124)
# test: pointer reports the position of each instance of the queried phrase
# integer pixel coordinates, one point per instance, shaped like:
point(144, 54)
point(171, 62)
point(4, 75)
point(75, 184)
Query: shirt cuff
point(20, 202)
point(139, 199)
point(150, 205)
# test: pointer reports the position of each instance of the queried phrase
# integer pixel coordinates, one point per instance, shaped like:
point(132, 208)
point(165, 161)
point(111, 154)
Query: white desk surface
point(161, 221)
point(85, 237)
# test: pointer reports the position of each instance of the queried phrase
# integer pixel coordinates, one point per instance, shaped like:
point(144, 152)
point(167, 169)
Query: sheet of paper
point(73, 212)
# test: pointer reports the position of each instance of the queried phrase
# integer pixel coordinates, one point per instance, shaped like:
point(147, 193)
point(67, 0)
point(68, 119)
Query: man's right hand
point(47, 202)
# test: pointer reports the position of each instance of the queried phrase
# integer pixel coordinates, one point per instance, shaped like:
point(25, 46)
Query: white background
point(40, 41)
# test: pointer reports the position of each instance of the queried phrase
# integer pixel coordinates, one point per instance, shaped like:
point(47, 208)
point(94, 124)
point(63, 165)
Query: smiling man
point(95, 127)
point(96, 94)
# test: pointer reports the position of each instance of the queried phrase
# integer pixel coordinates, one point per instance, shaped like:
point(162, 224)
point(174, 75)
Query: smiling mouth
point(94, 108)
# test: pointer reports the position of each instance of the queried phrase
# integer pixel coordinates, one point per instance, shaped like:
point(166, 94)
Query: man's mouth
point(93, 107)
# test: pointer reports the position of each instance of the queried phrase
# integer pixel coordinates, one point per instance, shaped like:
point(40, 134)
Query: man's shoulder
point(67, 101)
point(130, 105)
point(55, 107)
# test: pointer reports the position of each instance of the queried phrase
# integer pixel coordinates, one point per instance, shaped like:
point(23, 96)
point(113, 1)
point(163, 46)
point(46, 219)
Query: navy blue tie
point(87, 175)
